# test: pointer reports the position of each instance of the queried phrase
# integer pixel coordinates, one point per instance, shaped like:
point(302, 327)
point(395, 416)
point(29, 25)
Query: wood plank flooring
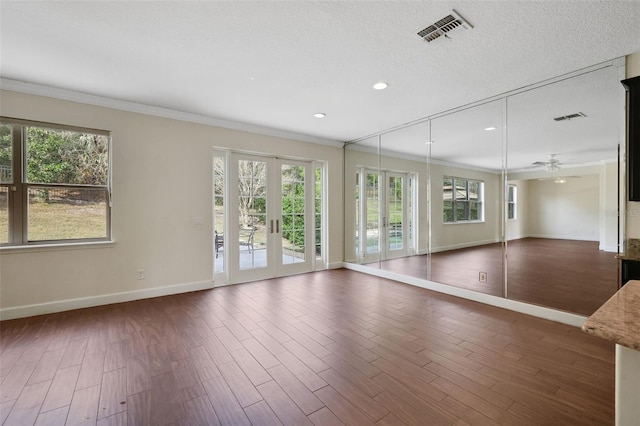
point(573, 276)
point(327, 348)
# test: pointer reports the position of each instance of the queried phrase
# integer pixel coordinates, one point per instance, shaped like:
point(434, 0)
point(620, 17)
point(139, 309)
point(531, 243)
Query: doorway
point(386, 200)
point(267, 217)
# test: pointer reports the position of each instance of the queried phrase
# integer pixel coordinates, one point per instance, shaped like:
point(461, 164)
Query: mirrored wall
point(516, 196)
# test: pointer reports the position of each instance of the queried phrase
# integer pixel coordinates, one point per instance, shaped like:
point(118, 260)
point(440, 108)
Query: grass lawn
point(4, 226)
point(63, 220)
point(60, 221)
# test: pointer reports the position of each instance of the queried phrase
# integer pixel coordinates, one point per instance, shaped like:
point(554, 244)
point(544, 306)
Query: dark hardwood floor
point(573, 276)
point(327, 348)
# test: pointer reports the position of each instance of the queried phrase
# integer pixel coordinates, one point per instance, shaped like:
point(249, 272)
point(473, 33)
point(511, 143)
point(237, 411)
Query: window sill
point(35, 248)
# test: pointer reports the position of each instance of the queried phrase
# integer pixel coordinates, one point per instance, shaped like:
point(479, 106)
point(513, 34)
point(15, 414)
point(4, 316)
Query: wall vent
point(570, 116)
point(444, 28)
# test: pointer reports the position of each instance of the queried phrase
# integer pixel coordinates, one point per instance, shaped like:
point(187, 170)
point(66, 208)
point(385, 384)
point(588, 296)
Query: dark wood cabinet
point(630, 270)
point(633, 142)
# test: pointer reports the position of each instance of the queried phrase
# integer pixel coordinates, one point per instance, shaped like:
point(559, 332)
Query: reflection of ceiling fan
point(552, 164)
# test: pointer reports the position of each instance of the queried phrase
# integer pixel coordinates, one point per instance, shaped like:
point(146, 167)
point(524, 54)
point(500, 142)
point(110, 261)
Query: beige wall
point(161, 184)
point(609, 205)
point(566, 211)
point(583, 209)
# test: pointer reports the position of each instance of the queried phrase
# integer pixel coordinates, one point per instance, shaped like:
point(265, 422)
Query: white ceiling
point(275, 64)
point(532, 134)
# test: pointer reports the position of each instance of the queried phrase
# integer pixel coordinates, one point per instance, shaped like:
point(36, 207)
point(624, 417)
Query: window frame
point(18, 188)
point(467, 201)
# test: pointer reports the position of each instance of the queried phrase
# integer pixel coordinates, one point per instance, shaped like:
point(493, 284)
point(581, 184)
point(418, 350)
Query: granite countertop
point(618, 320)
point(632, 251)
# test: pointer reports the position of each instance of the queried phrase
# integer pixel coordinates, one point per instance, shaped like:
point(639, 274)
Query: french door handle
point(277, 226)
point(271, 227)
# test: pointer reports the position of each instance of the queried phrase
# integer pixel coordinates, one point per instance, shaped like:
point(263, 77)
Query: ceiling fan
point(553, 165)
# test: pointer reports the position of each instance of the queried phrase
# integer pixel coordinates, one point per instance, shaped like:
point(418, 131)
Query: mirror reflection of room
point(516, 196)
point(563, 163)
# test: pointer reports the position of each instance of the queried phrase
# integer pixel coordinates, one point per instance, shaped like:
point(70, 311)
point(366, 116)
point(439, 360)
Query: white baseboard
point(608, 249)
point(512, 305)
point(335, 265)
point(564, 237)
point(105, 299)
point(463, 245)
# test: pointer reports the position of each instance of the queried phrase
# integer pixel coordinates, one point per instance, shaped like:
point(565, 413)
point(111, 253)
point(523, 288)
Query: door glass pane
point(218, 212)
point(395, 212)
point(318, 211)
point(373, 215)
point(252, 211)
point(372, 194)
point(6, 146)
point(357, 215)
point(410, 206)
point(293, 208)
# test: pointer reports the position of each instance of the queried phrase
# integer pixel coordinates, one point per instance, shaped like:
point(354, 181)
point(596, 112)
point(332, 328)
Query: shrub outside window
point(54, 183)
point(462, 200)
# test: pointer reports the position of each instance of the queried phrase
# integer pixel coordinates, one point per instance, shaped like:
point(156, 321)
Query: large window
point(54, 183)
point(463, 200)
point(512, 202)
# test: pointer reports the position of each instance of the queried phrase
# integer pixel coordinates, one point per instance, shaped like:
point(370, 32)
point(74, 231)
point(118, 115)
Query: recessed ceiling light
point(319, 115)
point(490, 128)
point(381, 85)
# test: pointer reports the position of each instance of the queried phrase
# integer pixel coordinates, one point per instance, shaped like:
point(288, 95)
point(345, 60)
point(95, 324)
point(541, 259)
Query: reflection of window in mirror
point(512, 202)
point(463, 200)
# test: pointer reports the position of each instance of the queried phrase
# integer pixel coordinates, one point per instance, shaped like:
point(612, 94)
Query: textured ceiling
point(274, 64)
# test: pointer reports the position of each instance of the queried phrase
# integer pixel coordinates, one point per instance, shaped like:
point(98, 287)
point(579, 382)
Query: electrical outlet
point(482, 277)
point(140, 274)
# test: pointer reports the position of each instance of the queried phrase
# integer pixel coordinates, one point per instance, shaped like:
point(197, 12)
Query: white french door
point(386, 208)
point(270, 218)
point(397, 215)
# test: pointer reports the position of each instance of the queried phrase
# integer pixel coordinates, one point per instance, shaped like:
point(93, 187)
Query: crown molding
point(118, 104)
point(420, 158)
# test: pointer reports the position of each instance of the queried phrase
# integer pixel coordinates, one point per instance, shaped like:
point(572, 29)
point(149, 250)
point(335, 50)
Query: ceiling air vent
point(444, 28)
point(570, 116)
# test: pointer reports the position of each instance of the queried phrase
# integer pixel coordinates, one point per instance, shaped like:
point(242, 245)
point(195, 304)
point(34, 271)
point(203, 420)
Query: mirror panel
point(452, 212)
point(362, 219)
point(466, 202)
point(563, 178)
point(405, 172)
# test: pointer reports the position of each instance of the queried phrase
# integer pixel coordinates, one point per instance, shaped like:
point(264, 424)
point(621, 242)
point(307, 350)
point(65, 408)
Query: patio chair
point(219, 242)
point(246, 237)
